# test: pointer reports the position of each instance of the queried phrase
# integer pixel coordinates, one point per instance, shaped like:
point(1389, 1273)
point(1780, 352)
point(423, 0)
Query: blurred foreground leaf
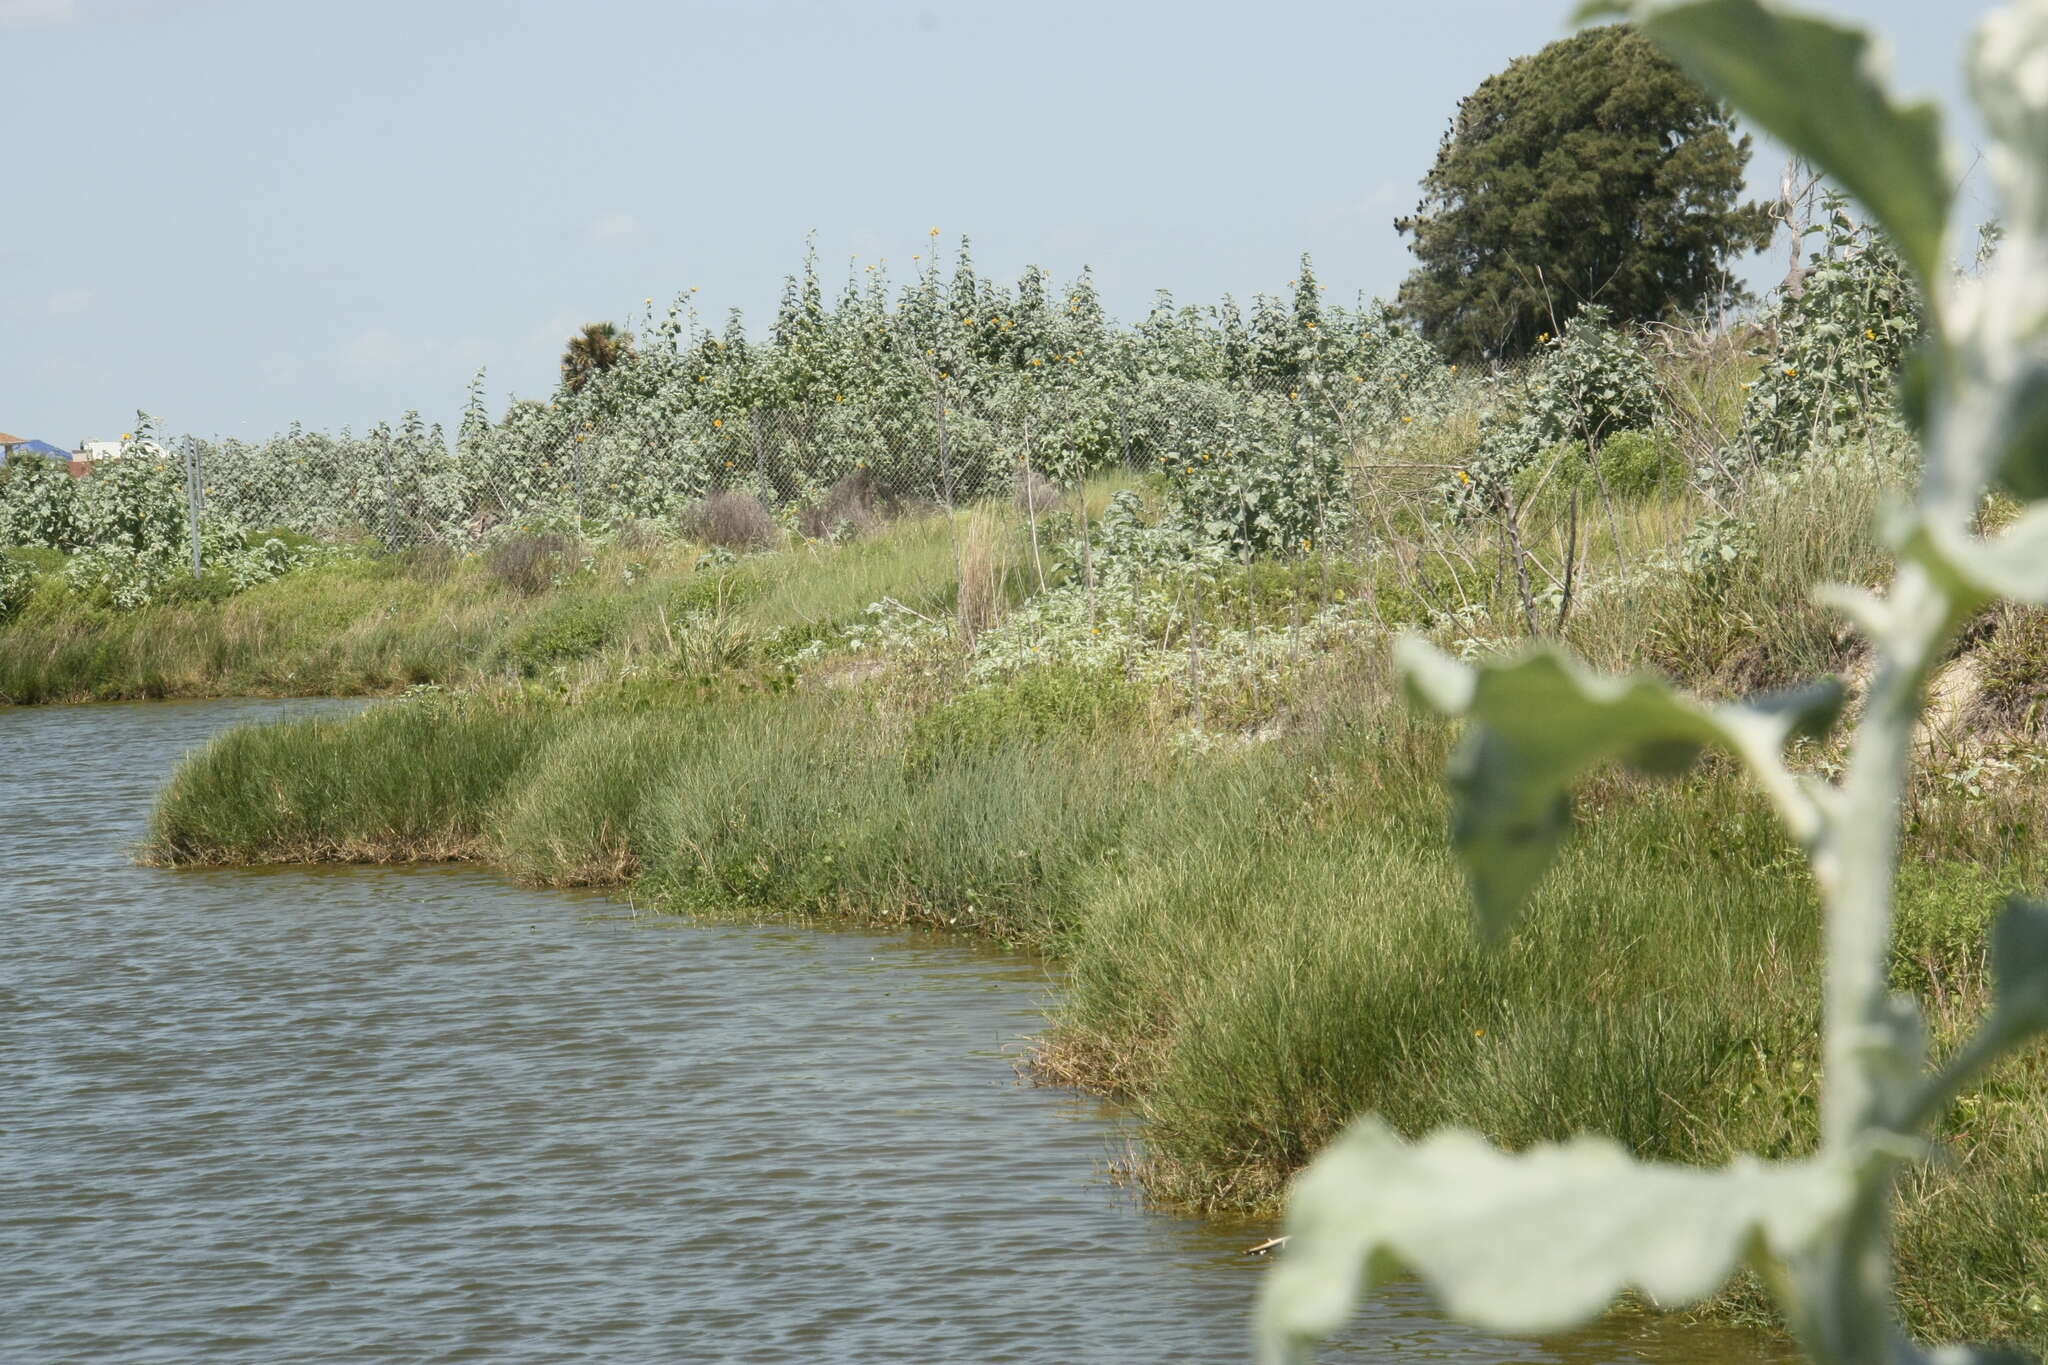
point(1533, 1242)
point(1542, 719)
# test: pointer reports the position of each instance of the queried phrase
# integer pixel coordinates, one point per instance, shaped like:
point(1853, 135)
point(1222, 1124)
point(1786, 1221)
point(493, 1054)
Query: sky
point(237, 215)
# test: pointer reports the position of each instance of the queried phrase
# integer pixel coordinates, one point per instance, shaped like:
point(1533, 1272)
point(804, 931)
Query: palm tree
point(598, 346)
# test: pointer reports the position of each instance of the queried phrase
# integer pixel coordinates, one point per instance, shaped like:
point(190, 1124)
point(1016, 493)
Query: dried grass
point(733, 521)
point(983, 565)
point(529, 563)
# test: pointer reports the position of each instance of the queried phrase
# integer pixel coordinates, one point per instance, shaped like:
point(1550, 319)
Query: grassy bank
point(1262, 940)
point(1664, 579)
point(546, 606)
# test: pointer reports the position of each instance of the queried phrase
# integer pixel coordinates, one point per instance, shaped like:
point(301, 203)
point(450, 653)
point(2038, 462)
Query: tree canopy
point(1595, 171)
point(599, 346)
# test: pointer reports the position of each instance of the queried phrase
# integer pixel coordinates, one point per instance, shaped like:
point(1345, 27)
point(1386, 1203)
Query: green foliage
point(1944, 919)
point(1274, 483)
point(132, 534)
point(135, 503)
point(943, 391)
point(1594, 381)
point(1636, 464)
point(1592, 172)
point(127, 529)
point(38, 503)
point(1590, 385)
point(1828, 376)
point(1633, 465)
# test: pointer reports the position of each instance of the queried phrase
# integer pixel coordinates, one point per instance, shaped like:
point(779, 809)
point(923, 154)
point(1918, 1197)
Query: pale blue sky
point(237, 214)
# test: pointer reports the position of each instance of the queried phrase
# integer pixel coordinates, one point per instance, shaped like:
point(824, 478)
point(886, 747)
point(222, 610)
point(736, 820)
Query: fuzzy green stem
point(1848, 1314)
point(1856, 862)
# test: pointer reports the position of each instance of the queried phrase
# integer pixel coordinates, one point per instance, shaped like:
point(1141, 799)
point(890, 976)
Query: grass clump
point(1043, 706)
point(2012, 678)
point(405, 783)
point(810, 807)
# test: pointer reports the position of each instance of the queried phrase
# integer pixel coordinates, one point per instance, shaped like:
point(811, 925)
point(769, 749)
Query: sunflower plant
point(1826, 377)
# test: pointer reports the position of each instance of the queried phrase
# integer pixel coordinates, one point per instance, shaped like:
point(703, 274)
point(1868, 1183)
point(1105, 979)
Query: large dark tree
point(1595, 171)
point(597, 347)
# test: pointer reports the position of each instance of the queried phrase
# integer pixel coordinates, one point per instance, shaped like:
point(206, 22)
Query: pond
point(424, 1114)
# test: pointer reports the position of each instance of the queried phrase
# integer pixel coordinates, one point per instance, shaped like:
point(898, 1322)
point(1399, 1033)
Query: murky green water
point(390, 1114)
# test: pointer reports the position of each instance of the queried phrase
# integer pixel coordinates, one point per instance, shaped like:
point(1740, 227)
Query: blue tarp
point(44, 448)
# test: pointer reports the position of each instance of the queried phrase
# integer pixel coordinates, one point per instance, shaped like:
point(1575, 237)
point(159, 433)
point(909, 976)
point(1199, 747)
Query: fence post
point(390, 499)
point(761, 453)
point(576, 473)
point(945, 450)
point(1123, 427)
point(1087, 548)
point(1031, 504)
point(195, 493)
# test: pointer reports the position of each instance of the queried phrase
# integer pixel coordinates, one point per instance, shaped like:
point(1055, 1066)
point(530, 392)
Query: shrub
point(38, 503)
point(1593, 385)
point(732, 521)
point(124, 576)
point(531, 563)
point(1828, 373)
point(564, 633)
point(136, 502)
point(1593, 382)
point(1634, 464)
point(849, 508)
point(1274, 484)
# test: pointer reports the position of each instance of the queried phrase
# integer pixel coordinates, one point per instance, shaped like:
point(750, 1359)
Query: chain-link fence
point(408, 485)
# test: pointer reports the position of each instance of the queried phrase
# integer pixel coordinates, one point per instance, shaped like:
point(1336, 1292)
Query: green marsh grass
point(395, 784)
